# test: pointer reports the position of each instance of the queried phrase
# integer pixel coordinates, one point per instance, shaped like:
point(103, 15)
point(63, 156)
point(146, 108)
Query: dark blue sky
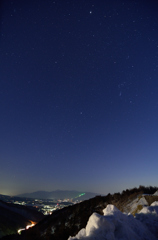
point(78, 95)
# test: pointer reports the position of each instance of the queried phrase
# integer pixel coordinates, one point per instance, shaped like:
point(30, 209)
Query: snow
point(142, 201)
point(115, 225)
point(152, 210)
point(134, 204)
point(156, 193)
point(154, 203)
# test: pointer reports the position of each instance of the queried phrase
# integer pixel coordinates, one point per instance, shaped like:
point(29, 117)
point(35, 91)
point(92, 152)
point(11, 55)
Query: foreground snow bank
point(115, 225)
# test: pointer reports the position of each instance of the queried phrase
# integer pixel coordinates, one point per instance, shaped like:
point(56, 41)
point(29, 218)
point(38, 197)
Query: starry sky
point(78, 95)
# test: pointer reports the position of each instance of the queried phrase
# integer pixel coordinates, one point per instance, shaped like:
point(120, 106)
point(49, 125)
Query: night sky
point(78, 95)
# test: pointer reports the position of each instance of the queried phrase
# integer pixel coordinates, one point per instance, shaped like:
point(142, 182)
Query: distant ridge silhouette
point(59, 194)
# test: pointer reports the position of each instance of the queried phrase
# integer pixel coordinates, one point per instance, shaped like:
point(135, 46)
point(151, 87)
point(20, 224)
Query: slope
point(13, 217)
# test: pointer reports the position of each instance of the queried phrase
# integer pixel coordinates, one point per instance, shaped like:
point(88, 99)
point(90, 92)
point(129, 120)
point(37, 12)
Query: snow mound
point(152, 209)
point(154, 203)
point(115, 225)
point(149, 217)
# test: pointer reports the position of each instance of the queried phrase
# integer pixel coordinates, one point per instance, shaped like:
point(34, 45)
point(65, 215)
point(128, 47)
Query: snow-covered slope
point(115, 225)
point(133, 206)
point(156, 193)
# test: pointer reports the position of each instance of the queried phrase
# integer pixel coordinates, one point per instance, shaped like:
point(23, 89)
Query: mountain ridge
point(59, 194)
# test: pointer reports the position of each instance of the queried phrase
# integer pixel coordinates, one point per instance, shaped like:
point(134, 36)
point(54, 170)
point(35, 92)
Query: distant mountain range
point(59, 194)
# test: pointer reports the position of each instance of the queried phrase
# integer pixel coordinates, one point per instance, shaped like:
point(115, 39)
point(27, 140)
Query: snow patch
point(154, 203)
point(115, 225)
point(156, 193)
point(135, 203)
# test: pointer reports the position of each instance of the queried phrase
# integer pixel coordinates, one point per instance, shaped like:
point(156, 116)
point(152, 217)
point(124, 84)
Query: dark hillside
point(69, 220)
point(14, 217)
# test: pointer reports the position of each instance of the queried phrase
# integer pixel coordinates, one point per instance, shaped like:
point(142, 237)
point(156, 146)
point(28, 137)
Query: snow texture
point(134, 204)
point(115, 225)
point(156, 193)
